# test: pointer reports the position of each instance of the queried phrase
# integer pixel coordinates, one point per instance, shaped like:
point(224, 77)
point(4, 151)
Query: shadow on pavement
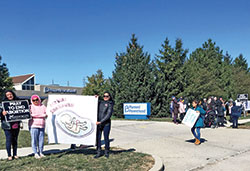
point(193, 140)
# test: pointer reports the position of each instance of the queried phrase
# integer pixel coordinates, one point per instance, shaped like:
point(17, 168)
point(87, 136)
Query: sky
point(64, 41)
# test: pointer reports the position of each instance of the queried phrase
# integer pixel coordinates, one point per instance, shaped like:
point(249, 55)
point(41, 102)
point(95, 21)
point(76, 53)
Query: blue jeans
point(106, 130)
point(37, 139)
point(198, 134)
point(235, 121)
point(11, 139)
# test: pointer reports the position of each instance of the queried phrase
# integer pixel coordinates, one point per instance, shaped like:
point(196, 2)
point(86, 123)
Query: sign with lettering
point(69, 91)
point(190, 118)
point(72, 119)
point(136, 110)
point(242, 97)
point(16, 110)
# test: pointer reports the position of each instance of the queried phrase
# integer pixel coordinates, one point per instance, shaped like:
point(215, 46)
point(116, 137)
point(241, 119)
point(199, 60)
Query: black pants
point(106, 130)
point(11, 139)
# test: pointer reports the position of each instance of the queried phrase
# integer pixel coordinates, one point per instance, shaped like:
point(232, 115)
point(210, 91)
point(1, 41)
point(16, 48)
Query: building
point(25, 86)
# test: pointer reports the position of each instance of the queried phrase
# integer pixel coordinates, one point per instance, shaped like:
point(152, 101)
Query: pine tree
point(96, 84)
point(132, 79)
point(169, 75)
point(204, 70)
point(241, 62)
point(5, 80)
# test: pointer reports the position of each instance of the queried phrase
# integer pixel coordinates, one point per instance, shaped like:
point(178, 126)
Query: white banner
point(190, 118)
point(72, 119)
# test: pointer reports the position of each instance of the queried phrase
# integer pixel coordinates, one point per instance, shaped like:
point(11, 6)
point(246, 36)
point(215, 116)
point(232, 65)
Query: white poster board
point(72, 119)
point(190, 118)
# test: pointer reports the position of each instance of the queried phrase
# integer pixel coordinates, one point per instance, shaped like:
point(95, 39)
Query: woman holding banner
point(37, 125)
point(11, 129)
point(105, 109)
point(199, 123)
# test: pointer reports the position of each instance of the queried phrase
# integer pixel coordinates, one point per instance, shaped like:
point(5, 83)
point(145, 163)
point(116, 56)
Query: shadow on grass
point(87, 150)
point(193, 140)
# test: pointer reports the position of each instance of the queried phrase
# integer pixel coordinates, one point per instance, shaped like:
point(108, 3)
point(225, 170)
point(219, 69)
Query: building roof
point(21, 78)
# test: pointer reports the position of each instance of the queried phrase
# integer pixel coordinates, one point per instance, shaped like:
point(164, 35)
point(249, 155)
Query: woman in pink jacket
point(37, 125)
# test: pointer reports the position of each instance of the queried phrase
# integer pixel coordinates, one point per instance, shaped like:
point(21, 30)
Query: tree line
point(206, 71)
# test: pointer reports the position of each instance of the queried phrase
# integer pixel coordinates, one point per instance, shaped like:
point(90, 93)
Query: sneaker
point(97, 155)
point(37, 156)
point(42, 155)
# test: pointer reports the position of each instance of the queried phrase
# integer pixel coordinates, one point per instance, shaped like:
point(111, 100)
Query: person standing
point(199, 123)
point(37, 125)
point(220, 111)
point(105, 109)
point(11, 129)
point(182, 109)
point(176, 110)
point(235, 113)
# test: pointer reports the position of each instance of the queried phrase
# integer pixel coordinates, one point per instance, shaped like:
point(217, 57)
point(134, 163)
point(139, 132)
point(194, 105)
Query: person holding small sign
point(11, 129)
point(37, 125)
point(199, 123)
point(105, 109)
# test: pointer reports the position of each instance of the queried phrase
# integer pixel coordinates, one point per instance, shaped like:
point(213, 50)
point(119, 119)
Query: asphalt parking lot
point(221, 149)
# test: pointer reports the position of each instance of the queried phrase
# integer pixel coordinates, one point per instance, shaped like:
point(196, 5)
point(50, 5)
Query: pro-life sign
point(16, 110)
point(72, 119)
point(190, 118)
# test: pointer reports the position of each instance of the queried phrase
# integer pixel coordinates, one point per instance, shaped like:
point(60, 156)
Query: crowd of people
point(37, 125)
point(212, 113)
point(216, 111)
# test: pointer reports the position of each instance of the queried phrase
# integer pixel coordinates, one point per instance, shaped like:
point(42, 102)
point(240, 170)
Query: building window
point(28, 85)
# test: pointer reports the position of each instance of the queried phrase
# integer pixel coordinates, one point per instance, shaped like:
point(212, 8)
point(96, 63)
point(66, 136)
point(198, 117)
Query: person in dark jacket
point(220, 111)
point(235, 114)
point(11, 129)
point(199, 123)
point(176, 110)
point(105, 109)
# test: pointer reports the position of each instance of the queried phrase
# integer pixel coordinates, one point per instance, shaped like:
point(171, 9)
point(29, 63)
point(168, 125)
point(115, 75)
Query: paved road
point(222, 149)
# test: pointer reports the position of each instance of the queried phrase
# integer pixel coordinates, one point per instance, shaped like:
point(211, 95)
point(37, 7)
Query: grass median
point(24, 139)
point(79, 159)
point(82, 159)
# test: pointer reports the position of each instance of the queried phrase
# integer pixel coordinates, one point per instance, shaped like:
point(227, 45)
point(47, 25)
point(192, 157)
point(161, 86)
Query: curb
point(158, 166)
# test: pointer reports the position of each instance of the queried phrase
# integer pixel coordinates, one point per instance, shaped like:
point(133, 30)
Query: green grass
point(244, 126)
point(165, 119)
point(24, 139)
point(82, 160)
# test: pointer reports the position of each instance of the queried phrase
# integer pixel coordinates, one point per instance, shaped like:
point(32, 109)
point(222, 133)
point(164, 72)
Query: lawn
point(24, 139)
point(244, 126)
point(82, 159)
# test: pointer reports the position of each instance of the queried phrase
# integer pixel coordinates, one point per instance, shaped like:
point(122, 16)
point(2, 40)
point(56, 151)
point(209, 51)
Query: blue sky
point(67, 40)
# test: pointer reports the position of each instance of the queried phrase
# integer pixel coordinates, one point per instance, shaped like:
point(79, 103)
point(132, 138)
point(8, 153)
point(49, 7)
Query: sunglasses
point(34, 100)
point(105, 96)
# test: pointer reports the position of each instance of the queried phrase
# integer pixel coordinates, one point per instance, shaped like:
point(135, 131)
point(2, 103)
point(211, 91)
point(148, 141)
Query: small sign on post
point(190, 118)
point(16, 110)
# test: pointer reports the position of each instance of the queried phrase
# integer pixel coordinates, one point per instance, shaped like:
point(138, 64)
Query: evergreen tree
point(96, 84)
point(169, 75)
point(5, 80)
point(204, 71)
point(132, 79)
point(241, 76)
point(241, 62)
